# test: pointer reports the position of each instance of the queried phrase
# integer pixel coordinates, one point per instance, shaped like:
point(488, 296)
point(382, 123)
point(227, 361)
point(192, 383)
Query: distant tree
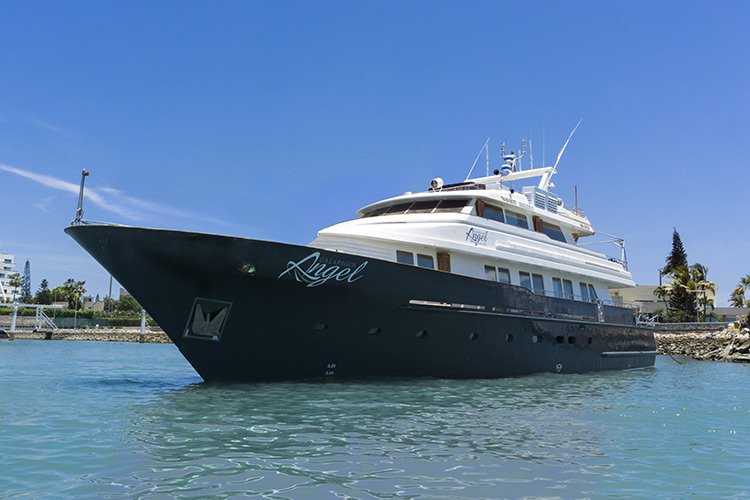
point(15, 283)
point(682, 303)
point(127, 305)
point(702, 285)
point(737, 298)
point(677, 257)
point(71, 291)
point(26, 283)
point(43, 295)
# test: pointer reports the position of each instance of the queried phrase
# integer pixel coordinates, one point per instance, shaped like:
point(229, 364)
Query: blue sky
point(274, 119)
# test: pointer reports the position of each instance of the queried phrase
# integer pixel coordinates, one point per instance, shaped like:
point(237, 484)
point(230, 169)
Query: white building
point(7, 269)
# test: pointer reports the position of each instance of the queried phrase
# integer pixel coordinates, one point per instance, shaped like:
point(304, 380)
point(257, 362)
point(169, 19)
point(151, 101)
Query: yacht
point(489, 277)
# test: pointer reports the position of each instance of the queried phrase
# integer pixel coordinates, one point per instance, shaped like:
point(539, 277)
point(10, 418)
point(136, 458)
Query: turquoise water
point(89, 419)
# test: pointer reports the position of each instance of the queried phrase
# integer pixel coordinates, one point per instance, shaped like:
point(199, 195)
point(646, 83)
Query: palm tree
point(737, 298)
point(699, 275)
point(15, 282)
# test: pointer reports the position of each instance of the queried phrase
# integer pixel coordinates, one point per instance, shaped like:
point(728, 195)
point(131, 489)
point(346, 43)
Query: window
point(503, 275)
point(376, 212)
point(452, 205)
point(568, 289)
point(399, 208)
point(525, 279)
point(557, 287)
point(553, 232)
point(490, 273)
point(516, 219)
point(493, 213)
point(537, 283)
point(425, 261)
point(592, 292)
point(404, 257)
point(424, 206)
point(584, 292)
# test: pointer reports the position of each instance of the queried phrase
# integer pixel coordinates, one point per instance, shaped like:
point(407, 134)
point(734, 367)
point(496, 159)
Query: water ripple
point(123, 420)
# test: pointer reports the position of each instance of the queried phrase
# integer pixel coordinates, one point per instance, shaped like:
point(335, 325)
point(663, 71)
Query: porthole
point(421, 333)
point(571, 340)
point(560, 339)
point(536, 339)
point(591, 340)
point(473, 336)
point(509, 337)
point(320, 327)
point(374, 331)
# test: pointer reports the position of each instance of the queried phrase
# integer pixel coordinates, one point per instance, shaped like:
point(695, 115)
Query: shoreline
point(151, 336)
point(728, 345)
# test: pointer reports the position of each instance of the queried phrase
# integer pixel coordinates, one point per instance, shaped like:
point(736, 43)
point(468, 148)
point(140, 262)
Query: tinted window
point(489, 273)
point(376, 212)
point(538, 283)
point(425, 261)
point(584, 292)
point(525, 279)
point(452, 205)
point(423, 206)
point(503, 275)
point(515, 219)
point(553, 232)
point(567, 289)
point(404, 257)
point(493, 213)
point(592, 293)
point(557, 287)
point(399, 208)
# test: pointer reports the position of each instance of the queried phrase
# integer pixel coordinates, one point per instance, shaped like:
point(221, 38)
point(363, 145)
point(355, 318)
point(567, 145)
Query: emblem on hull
point(315, 270)
point(207, 319)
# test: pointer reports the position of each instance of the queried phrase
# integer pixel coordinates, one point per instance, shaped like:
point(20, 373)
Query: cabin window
point(537, 282)
point(425, 261)
point(557, 287)
point(451, 205)
point(568, 289)
point(503, 275)
point(424, 206)
point(592, 292)
point(516, 219)
point(399, 208)
point(490, 273)
point(376, 212)
point(493, 213)
point(553, 232)
point(525, 279)
point(584, 292)
point(405, 257)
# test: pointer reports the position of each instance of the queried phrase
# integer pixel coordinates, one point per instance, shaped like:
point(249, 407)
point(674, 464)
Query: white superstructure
point(483, 228)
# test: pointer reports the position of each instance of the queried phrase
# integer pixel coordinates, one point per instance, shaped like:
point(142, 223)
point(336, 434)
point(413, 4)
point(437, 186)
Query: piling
point(142, 336)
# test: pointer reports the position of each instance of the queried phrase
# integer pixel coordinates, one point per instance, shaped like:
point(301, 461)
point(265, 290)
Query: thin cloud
point(48, 126)
point(111, 199)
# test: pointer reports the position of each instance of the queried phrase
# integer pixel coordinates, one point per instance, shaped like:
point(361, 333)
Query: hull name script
point(314, 271)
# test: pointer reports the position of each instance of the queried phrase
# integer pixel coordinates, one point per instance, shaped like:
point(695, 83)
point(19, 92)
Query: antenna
point(575, 194)
point(531, 153)
point(472, 165)
point(487, 157)
point(559, 155)
point(545, 181)
point(543, 161)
